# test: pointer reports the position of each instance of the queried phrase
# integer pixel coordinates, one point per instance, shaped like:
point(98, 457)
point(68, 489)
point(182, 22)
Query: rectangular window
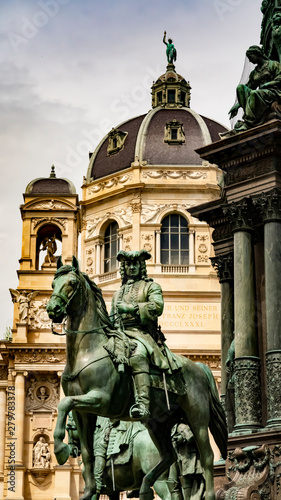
point(171, 96)
point(159, 97)
point(183, 94)
point(174, 134)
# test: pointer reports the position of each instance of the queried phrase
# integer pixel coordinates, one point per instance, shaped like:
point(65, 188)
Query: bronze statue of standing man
point(170, 50)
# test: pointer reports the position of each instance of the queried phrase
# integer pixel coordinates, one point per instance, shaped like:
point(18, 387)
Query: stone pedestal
point(247, 221)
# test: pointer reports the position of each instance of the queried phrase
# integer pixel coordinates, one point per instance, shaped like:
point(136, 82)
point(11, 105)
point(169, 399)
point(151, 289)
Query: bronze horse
point(93, 386)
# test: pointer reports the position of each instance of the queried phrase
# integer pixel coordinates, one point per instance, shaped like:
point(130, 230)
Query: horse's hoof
point(147, 495)
point(62, 453)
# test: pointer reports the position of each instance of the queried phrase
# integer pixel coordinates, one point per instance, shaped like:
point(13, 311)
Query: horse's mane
point(101, 307)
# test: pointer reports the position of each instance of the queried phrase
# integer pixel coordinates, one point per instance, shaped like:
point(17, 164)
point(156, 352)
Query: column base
point(247, 395)
point(273, 374)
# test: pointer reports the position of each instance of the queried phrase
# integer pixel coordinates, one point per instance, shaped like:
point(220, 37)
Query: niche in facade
point(48, 246)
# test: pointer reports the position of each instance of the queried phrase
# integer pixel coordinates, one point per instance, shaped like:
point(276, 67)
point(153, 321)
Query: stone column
point(247, 363)
point(2, 428)
point(269, 206)
point(224, 267)
point(191, 252)
point(17, 494)
point(98, 258)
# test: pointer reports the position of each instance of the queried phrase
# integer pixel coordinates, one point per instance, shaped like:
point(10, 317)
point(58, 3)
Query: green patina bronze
point(262, 94)
point(170, 50)
point(124, 453)
point(95, 385)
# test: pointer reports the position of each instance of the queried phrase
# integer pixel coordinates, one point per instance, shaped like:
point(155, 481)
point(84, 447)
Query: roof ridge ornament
point(53, 173)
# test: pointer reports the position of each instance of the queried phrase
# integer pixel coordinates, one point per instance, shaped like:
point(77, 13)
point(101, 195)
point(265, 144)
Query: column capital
point(269, 205)
point(223, 265)
point(240, 214)
point(19, 372)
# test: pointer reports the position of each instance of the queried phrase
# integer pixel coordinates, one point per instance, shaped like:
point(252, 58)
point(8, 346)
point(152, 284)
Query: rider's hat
point(137, 255)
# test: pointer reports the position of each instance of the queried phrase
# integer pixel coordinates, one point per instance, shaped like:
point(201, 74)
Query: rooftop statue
point(262, 94)
point(95, 386)
point(170, 50)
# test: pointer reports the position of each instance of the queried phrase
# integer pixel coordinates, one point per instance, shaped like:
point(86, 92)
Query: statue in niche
point(41, 454)
point(49, 244)
point(23, 298)
point(262, 94)
point(170, 50)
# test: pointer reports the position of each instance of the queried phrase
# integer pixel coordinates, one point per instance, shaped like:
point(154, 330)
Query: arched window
point(110, 247)
point(174, 241)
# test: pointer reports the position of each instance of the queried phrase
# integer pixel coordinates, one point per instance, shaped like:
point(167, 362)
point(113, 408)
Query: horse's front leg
point(62, 450)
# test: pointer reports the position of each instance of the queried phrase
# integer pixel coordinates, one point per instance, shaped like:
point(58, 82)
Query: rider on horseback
point(138, 304)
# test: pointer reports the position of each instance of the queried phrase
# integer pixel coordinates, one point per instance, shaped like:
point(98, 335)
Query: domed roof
point(50, 185)
point(145, 139)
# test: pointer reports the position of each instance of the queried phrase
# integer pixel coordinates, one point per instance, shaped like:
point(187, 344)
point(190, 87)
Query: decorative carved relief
point(247, 392)
point(24, 299)
point(273, 370)
point(122, 179)
point(254, 473)
point(40, 356)
point(42, 393)
point(125, 214)
point(3, 372)
point(50, 205)
point(38, 317)
point(174, 174)
point(55, 220)
point(148, 242)
point(127, 240)
point(149, 212)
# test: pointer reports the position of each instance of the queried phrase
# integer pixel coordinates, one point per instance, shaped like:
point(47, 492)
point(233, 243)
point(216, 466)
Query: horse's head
point(69, 295)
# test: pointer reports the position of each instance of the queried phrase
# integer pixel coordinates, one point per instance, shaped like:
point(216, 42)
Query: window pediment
point(174, 132)
point(116, 140)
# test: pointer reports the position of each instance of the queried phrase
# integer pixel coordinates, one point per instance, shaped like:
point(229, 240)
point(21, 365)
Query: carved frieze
point(124, 214)
point(50, 205)
point(42, 393)
point(127, 243)
point(174, 174)
point(121, 179)
point(40, 356)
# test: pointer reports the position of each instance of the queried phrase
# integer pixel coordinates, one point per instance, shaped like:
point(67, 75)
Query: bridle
point(67, 301)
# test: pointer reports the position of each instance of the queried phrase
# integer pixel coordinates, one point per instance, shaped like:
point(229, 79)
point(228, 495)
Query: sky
point(70, 70)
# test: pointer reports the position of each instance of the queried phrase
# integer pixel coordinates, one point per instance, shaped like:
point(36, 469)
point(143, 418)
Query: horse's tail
point(217, 423)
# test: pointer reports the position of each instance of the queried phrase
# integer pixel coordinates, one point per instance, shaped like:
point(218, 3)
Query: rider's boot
point(140, 372)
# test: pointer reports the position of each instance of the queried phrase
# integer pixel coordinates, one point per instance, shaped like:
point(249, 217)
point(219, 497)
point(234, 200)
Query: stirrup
point(139, 411)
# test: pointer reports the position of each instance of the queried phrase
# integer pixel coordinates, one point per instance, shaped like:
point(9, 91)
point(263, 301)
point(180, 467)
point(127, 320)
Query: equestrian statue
point(119, 367)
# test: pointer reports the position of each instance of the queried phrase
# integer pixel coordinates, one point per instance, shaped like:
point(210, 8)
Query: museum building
point(141, 182)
